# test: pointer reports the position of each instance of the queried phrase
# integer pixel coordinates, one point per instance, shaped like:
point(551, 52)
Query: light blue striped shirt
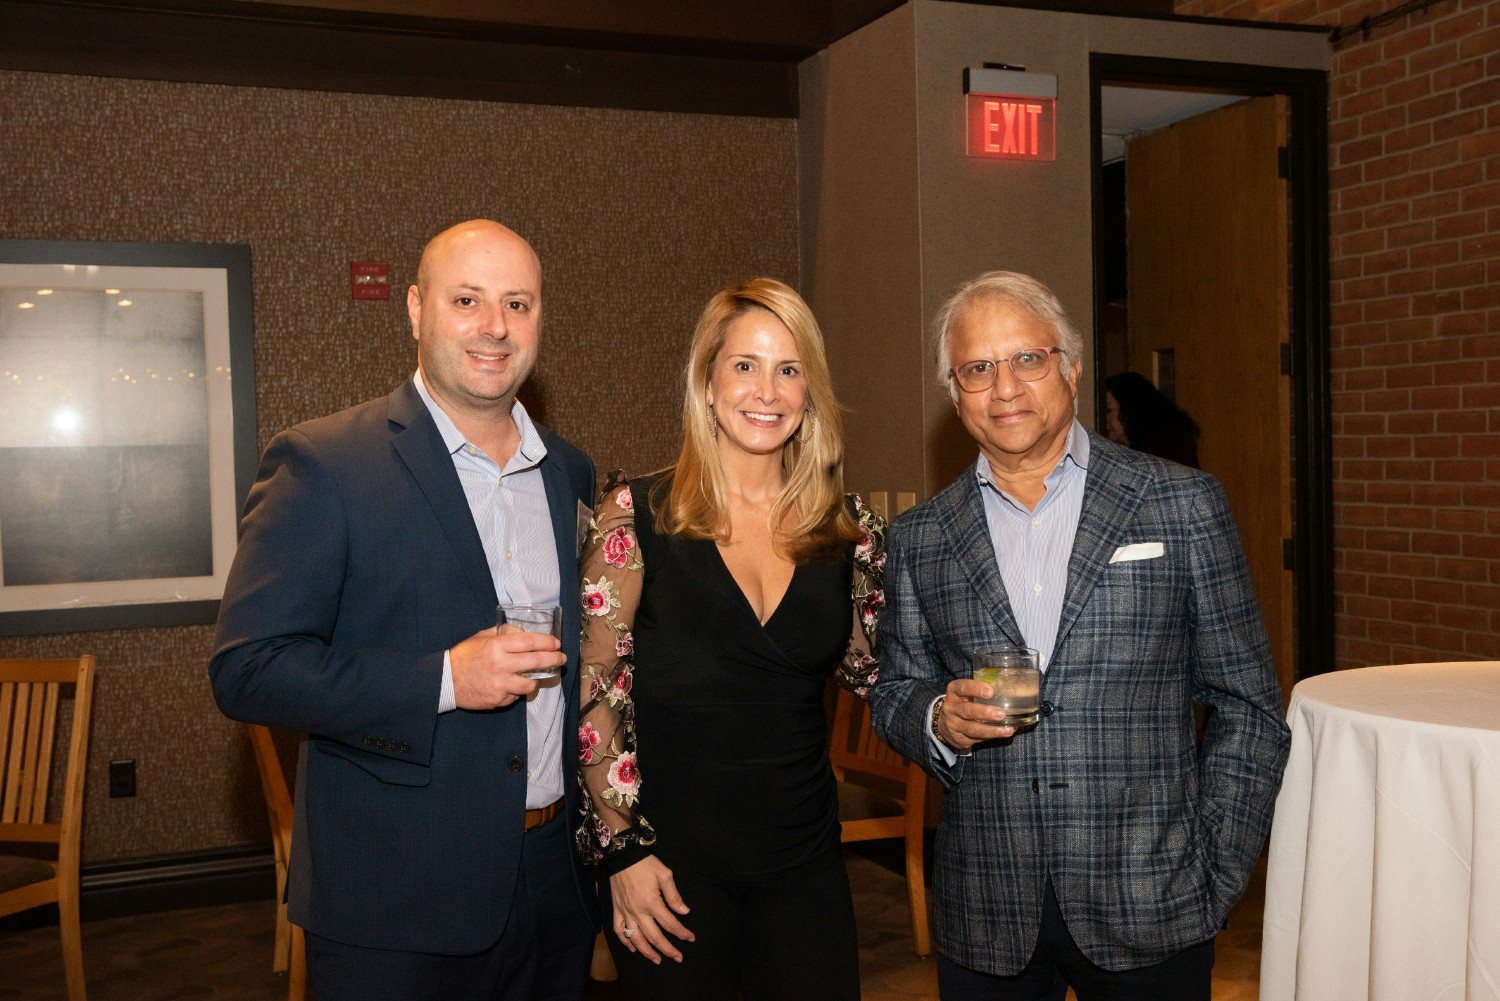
point(515, 527)
point(1033, 548)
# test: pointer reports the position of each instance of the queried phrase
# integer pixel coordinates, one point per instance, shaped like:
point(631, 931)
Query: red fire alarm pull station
point(1012, 115)
point(369, 280)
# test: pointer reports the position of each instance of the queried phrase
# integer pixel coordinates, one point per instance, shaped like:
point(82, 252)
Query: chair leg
point(916, 887)
point(297, 966)
point(283, 946)
point(72, 945)
point(916, 898)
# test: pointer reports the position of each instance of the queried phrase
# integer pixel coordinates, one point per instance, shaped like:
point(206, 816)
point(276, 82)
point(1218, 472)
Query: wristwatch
point(937, 712)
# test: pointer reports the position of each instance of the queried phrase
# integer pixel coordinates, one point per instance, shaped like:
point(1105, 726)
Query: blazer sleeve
point(1246, 741)
point(911, 673)
point(277, 660)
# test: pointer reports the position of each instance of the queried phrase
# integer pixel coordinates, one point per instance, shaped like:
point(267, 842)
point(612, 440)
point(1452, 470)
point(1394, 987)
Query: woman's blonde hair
point(811, 503)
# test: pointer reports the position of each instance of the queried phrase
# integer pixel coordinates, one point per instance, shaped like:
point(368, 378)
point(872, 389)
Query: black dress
point(712, 724)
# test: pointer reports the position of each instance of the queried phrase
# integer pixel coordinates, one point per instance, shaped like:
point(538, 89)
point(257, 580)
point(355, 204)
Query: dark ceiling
point(736, 57)
point(764, 29)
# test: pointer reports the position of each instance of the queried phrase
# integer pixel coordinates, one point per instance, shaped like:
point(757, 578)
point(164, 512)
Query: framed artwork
point(127, 431)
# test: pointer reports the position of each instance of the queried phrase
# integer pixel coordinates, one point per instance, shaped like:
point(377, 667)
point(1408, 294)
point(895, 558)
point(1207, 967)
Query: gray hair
point(1022, 291)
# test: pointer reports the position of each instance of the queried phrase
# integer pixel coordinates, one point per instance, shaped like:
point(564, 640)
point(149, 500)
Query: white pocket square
point(1137, 551)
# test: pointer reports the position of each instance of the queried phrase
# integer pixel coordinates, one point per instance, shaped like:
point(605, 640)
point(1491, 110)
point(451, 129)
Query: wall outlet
point(121, 778)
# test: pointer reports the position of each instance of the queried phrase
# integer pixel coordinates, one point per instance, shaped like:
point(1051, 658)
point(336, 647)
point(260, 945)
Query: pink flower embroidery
point(866, 547)
point(588, 739)
point(599, 598)
point(624, 777)
point(617, 547)
point(623, 500)
point(621, 687)
point(625, 645)
point(870, 607)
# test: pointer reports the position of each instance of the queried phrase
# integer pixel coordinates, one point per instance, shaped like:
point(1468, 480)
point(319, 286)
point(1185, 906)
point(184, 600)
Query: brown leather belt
point(536, 818)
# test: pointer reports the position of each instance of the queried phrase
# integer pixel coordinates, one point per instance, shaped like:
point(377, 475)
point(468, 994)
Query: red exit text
point(1015, 128)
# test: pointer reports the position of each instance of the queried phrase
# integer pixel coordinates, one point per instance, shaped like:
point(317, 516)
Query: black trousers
point(790, 940)
point(543, 954)
point(1058, 964)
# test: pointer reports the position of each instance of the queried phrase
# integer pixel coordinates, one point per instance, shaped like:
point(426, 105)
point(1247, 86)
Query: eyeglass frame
point(1009, 361)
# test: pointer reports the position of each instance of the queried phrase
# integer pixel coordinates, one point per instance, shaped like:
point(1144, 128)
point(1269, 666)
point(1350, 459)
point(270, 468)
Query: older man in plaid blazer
point(1103, 848)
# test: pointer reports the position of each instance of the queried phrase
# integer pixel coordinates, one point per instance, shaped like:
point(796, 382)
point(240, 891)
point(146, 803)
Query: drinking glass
point(532, 619)
point(1015, 675)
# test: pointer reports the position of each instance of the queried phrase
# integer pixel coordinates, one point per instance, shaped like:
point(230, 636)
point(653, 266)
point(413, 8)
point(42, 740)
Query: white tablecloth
point(1384, 875)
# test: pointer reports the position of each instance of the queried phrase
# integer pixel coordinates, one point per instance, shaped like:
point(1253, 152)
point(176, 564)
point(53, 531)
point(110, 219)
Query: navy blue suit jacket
point(358, 566)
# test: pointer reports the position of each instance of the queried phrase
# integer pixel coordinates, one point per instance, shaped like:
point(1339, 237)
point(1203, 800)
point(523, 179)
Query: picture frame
point(127, 431)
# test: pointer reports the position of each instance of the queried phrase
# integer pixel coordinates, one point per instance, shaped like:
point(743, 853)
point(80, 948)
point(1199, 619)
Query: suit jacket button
point(369, 741)
point(1047, 708)
point(405, 747)
point(515, 764)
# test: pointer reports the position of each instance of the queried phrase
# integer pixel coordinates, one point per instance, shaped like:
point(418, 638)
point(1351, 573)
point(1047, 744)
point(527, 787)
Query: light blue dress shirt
point(1033, 547)
point(515, 527)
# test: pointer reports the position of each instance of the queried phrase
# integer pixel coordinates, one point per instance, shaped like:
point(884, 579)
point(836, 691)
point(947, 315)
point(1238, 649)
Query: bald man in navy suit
point(431, 852)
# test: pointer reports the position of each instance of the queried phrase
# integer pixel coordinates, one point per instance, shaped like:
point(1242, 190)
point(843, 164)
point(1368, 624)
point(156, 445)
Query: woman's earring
point(808, 427)
point(713, 423)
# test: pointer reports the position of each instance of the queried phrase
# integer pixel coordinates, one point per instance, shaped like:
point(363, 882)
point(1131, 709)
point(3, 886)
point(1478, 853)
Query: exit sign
point(1011, 115)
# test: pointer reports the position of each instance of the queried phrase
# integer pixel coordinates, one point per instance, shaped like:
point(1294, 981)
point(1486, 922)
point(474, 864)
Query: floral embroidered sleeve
point(611, 830)
point(860, 668)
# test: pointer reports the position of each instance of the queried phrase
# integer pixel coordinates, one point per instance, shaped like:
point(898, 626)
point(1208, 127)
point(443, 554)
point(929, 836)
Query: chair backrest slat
point(16, 724)
point(41, 783)
point(853, 743)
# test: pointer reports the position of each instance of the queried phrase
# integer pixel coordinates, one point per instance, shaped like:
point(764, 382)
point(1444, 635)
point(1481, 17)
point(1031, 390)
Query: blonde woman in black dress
point(720, 596)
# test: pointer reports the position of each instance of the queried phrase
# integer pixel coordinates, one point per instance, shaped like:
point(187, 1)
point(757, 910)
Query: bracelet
point(937, 712)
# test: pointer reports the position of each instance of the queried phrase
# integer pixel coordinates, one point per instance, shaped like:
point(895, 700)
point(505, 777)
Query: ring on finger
point(628, 931)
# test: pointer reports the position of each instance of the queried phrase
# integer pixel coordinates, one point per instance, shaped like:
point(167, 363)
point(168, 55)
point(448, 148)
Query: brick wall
point(1414, 179)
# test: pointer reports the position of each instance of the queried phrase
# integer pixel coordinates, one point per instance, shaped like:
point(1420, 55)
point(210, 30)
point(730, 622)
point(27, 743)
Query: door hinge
point(1283, 162)
point(1286, 358)
point(1288, 555)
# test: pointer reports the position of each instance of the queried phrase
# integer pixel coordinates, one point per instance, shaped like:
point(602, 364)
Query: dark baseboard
point(172, 882)
point(163, 883)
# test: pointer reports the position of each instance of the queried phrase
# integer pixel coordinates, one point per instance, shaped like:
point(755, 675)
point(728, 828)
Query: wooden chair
point(30, 698)
point(898, 808)
point(290, 951)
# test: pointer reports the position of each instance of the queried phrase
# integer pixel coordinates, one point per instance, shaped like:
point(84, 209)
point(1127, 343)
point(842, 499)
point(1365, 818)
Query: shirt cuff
point(946, 753)
point(447, 701)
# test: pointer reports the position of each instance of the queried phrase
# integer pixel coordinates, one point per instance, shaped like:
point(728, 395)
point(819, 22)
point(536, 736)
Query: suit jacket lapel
point(417, 441)
point(960, 514)
point(562, 504)
point(1111, 494)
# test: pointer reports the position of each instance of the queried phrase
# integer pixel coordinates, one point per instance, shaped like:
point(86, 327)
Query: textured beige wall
point(969, 215)
point(861, 262)
point(638, 217)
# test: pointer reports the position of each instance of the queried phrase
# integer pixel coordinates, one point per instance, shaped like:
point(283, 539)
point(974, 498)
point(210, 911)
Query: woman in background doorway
point(1141, 416)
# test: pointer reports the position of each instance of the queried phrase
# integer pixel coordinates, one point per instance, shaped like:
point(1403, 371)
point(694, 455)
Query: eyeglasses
point(1028, 365)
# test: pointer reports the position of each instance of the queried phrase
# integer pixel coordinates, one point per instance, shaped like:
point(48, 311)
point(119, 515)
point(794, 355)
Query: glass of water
point(532, 619)
point(1014, 673)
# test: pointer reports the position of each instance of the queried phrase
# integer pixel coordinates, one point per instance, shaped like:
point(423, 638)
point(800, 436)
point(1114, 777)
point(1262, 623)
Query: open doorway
point(1210, 281)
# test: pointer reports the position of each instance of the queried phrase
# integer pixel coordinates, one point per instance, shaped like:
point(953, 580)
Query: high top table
point(1383, 882)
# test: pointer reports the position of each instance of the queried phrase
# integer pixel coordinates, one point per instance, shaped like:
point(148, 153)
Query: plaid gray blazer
point(1147, 839)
